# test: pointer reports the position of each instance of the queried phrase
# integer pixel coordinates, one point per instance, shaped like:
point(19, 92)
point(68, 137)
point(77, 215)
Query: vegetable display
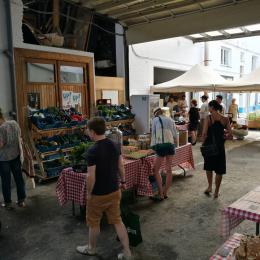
point(56, 142)
point(114, 113)
point(53, 117)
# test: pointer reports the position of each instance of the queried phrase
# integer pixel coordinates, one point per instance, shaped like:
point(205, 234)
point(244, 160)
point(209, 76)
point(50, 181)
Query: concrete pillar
point(5, 86)
point(120, 53)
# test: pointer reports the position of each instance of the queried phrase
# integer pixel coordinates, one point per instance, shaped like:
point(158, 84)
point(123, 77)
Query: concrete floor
point(184, 227)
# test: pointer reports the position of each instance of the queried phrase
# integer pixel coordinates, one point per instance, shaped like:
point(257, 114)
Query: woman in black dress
point(218, 126)
point(194, 117)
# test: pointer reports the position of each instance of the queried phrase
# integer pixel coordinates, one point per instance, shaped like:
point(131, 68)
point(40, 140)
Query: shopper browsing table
point(204, 112)
point(163, 135)
point(10, 134)
point(193, 121)
point(182, 103)
point(103, 195)
point(219, 99)
point(214, 127)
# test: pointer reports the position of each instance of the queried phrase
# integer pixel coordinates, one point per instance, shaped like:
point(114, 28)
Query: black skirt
point(216, 163)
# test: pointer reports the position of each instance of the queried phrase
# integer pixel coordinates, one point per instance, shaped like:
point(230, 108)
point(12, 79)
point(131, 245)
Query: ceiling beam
point(241, 14)
point(138, 7)
point(111, 4)
point(223, 37)
point(159, 9)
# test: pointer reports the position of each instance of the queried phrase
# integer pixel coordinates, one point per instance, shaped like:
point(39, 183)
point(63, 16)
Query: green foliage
point(78, 152)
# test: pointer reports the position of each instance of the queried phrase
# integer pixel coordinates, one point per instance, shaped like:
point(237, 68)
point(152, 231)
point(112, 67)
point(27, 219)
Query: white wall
point(176, 53)
point(181, 54)
point(250, 46)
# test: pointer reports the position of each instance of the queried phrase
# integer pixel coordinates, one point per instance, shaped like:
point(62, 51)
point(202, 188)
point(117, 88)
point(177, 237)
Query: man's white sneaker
point(85, 250)
point(122, 256)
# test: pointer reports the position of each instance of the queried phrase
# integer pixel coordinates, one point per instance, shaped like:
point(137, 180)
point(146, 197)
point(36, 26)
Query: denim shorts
point(166, 150)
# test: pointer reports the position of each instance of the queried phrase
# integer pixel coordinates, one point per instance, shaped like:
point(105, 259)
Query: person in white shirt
point(219, 99)
point(182, 103)
point(171, 103)
point(204, 112)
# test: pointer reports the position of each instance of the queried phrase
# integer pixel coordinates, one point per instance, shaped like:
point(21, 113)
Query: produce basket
point(51, 39)
point(138, 154)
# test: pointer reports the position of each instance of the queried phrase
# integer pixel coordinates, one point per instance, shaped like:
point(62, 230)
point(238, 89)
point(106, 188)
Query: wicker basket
point(183, 137)
point(51, 39)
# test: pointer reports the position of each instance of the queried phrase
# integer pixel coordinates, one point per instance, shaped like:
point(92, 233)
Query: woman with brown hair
point(10, 133)
point(215, 128)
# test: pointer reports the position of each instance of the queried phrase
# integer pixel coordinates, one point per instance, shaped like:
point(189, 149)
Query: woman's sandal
point(156, 198)
point(216, 196)
point(207, 192)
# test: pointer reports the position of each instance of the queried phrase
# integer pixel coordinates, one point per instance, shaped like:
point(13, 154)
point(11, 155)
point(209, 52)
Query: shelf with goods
point(51, 147)
point(57, 154)
point(119, 122)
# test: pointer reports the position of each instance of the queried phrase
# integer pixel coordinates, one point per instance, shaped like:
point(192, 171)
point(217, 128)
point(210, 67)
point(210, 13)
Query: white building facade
point(155, 62)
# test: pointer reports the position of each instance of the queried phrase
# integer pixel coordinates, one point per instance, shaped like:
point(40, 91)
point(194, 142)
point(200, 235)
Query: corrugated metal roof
point(148, 20)
point(135, 12)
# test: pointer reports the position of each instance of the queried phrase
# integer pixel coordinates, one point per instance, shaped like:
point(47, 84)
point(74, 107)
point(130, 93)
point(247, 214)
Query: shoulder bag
point(209, 150)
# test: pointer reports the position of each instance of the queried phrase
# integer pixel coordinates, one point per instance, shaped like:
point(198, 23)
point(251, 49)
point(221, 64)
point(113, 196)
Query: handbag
point(132, 224)
point(209, 150)
point(164, 146)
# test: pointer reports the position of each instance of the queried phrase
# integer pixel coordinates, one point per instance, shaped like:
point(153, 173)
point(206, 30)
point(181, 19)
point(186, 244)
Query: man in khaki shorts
point(103, 194)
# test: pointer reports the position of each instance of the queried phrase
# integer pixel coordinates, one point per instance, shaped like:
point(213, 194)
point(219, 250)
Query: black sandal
point(207, 192)
point(156, 198)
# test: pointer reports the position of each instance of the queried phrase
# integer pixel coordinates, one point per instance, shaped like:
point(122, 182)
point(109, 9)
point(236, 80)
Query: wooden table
point(247, 207)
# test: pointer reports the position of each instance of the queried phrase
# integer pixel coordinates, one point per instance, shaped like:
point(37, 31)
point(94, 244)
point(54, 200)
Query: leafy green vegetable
point(78, 151)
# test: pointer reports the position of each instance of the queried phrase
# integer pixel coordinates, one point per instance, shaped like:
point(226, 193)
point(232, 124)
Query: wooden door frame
point(21, 55)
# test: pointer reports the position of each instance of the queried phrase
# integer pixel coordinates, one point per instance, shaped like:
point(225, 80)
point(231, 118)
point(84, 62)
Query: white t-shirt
point(171, 105)
point(204, 110)
point(224, 108)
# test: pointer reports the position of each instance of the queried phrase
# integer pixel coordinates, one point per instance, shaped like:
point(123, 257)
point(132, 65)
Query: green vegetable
point(79, 150)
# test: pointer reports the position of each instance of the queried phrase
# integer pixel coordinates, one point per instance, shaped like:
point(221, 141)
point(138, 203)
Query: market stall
point(198, 78)
point(245, 208)
point(71, 185)
point(240, 246)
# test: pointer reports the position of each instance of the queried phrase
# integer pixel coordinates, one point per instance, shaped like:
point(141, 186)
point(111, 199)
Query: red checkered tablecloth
point(71, 186)
point(182, 157)
point(182, 127)
point(229, 246)
point(247, 207)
